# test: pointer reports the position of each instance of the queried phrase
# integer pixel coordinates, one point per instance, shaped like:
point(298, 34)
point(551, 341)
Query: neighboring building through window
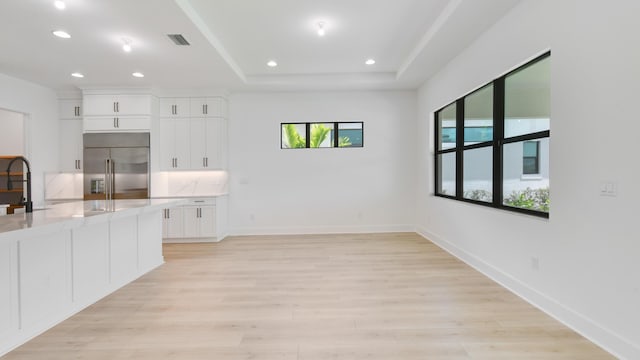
point(530, 154)
point(492, 145)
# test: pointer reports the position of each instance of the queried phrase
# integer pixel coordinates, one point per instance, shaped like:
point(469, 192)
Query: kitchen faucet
point(28, 204)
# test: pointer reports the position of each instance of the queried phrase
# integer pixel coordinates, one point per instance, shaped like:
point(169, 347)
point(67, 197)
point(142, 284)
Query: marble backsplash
point(63, 186)
point(189, 183)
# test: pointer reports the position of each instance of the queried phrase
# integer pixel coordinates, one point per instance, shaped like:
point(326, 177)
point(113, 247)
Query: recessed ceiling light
point(61, 34)
point(370, 62)
point(59, 4)
point(272, 63)
point(321, 28)
point(77, 74)
point(138, 74)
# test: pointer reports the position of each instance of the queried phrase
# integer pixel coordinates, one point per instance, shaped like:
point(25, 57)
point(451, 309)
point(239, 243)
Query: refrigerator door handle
point(112, 178)
point(106, 179)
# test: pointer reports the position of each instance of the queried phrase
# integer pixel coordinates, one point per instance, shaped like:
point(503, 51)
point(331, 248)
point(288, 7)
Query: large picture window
point(492, 145)
point(321, 135)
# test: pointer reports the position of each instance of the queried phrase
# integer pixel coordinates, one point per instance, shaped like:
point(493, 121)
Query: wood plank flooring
point(365, 296)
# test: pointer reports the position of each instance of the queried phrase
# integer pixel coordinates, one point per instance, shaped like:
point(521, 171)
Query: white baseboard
point(297, 230)
point(599, 335)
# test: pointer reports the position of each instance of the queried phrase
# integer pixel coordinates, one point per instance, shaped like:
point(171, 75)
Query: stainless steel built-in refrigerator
point(116, 166)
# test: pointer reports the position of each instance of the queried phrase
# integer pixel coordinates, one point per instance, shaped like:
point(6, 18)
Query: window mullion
point(459, 148)
point(498, 139)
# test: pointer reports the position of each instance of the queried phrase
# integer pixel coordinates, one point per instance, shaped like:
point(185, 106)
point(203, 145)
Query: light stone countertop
point(75, 214)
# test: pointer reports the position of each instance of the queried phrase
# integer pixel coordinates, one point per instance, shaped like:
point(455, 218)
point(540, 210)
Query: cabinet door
point(173, 223)
point(198, 143)
point(174, 144)
point(208, 107)
point(116, 123)
point(174, 107)
point(198, 107)
point(70, 109)
point(183, 156)
point(167, 144)
point(208, 221)
point(117, 105)
point(216, 107)
point(71, 145)
point(133, 104)
point(99, 105)
point(191, 221)
point(133, 123)
point(216, 138)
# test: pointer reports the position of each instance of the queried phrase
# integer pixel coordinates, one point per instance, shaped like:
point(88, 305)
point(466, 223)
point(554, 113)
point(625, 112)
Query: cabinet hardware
point(114, 106)
point(117, 106)
point(204, 111)
point(207, 161)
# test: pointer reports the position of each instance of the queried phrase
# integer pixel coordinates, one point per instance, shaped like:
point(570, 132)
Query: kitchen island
point(56, 261)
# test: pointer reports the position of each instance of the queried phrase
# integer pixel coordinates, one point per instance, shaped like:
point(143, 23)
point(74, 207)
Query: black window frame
point(498, 143)
point(336, 131)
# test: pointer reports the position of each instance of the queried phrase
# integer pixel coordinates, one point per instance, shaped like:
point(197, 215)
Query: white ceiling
point(232, 40)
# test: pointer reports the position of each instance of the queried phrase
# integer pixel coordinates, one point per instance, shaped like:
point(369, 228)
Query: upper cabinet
point(174, 107)
point(208, 107)
point(70, 109)
point(70, 135)
point(109, 113)
point(117, 105)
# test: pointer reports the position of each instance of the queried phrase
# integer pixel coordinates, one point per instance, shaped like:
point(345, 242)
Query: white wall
point(12, 134)
point(40, 105)
point(275, 190)
point(588, 251)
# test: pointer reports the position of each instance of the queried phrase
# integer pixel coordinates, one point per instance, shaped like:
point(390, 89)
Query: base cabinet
point(195, 222)
point(172, 223)
point(49, 274)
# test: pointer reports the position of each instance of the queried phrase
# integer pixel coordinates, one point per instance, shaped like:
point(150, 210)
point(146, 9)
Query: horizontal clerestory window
point(321, 135)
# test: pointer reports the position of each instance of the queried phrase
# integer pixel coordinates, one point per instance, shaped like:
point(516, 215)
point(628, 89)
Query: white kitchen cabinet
point(135, 104)
point(208, 107)
point(174, 107)
point(174, 144)
point(208, 139)
point(117, 123)
point(70, 108)
point(9, 316)
point(70, 135)
point(198, 222)
point(123, 249)
point(172, 223)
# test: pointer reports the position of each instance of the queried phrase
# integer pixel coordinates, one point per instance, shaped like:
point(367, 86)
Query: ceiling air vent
point(178, 39)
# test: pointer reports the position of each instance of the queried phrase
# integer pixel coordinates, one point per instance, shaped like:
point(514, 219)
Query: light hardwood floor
point(366, 296)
